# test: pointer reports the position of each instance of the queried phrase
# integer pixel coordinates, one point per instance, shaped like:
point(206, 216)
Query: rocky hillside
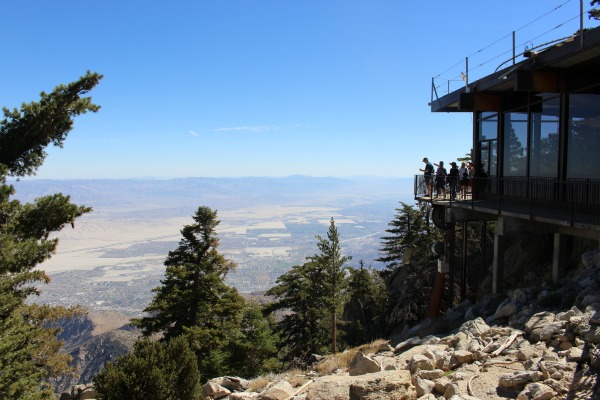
point(523, 345)
point(92, 340)
point(531, 343)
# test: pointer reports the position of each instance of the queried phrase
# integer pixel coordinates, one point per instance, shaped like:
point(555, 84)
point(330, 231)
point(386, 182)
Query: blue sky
point(262, 87)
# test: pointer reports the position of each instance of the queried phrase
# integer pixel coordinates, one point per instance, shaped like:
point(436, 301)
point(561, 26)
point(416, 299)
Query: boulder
point(421, 362)
point(536, 391)
point(506, 310)
point(539, 320)
point(463, 356)
point(476, 327)
point(430, 374)
point(386, 387)
point(362, 364)
point(546, 331)
point(214, 391)
point(423, 386)
point(407, 344)
point(279, 391)
point(591, 259)
point(520, 379)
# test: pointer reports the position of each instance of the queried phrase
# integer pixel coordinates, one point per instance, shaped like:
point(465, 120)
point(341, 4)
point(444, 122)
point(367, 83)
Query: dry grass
point(330, 363)
point(259, 383)
point(296, 377)
point(333, 362)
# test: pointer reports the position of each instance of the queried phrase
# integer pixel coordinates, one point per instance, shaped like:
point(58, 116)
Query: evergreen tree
point(28, 343)
point(299, 296)
point(193, 298)
point(153, 371)
point(367, 306)
point(315, 294)
point(410, 285)
point(594, 13)
point(253, 349)
point(408, 232)
point(331, 262)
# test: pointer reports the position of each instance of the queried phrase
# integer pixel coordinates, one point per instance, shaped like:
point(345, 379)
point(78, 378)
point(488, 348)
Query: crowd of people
point(457, 181)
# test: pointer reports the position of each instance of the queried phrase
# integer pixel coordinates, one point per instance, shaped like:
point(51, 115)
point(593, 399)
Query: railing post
point(571, 210)
point(581, 24)
point(467, 74)
point(529, 191)
point(514, 46)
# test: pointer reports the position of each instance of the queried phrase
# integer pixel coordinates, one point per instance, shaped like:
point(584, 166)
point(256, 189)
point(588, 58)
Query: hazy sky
point(263, 88)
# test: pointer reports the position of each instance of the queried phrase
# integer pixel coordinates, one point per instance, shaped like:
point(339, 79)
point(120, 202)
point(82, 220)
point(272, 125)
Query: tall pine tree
point(193, 298)
point(28, 344)
point(335, 282)
point(312, 297)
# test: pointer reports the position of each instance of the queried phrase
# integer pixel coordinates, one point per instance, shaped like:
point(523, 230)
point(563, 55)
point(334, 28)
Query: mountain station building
point(536, 150)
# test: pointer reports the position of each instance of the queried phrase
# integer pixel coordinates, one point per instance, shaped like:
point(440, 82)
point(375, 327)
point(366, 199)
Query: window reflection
point(515, 144)
point(584, 136)
point(544, 140)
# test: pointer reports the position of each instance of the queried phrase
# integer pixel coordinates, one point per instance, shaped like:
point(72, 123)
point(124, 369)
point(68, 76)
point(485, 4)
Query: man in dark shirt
point(428, 175)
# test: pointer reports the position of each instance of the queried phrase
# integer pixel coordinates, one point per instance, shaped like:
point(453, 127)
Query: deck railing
point(570, 202)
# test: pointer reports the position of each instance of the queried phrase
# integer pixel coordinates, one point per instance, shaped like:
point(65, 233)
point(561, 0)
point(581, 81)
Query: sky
point(234, 88)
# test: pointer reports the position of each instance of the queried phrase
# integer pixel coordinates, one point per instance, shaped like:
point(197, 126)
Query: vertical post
point(467, 74)
point(463, 283)
point(449, 239)
point(560, 256)
point(432, 88)
point(498, 266)
point(483, 244)
point(581, 24)
point(514, 47)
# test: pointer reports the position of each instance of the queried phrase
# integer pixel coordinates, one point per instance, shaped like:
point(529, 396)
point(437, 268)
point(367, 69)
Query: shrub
point(153, 371)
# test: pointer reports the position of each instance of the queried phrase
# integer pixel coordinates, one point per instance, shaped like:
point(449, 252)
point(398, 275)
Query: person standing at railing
point(428, 175)
point(463, 174)
point(440, 180)
point(452, 180)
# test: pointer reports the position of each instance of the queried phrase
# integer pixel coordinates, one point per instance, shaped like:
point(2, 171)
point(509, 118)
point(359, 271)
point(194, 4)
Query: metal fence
point(575, 201)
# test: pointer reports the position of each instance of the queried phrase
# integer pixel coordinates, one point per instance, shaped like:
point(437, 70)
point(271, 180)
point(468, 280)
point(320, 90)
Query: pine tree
point(368, 302)
point(193, 299)
point(409, 285)
point(253, 350)
point(299, 295)
point(331, 261)
point(28, 343)
point(315, 293)
point(408, 232)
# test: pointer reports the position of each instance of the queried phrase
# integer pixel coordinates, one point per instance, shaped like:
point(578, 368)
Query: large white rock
point(362, 364)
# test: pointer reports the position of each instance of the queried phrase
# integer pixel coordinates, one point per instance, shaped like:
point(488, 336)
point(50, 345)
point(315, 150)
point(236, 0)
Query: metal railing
point(507, 50)
point(570, 202)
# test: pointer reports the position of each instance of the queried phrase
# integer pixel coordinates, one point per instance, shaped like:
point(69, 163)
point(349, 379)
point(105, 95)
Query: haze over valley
point(114, 256)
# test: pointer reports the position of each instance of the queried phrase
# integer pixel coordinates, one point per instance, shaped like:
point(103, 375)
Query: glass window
point(488, 126)
point(515, 144)
point(489, 157)
point(544, 140)
point(583, 147)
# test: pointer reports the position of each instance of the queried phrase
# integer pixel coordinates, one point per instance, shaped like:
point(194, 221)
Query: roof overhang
point(560, 68)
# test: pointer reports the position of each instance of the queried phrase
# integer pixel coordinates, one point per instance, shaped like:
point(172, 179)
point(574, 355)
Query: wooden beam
point(479, 102)
point(538, 81)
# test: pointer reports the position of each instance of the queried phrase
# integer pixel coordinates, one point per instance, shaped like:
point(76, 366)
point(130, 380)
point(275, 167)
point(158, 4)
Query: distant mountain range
point(223, 192)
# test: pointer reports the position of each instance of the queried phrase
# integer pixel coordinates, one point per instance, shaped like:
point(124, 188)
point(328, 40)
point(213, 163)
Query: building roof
point(562, 67)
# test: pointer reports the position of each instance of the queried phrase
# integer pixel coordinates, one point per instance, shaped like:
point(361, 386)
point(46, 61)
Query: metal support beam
point(498, 265)
point(560, 256)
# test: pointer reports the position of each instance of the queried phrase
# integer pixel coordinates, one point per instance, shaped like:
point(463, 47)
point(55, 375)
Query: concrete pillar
point(560, 256)
point(498, 263)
